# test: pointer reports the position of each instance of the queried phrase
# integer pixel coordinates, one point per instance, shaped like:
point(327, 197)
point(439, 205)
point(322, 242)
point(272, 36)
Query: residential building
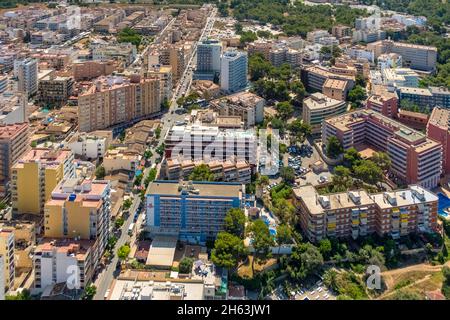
point(400, 77)
point(192, 211)
point(35, 175)
point(121, 158)
point(124, 52)
point(115, 100)
point(202, 142)
point(164, 73)
point(172, 55)
point(58, 260)
point(389, 60)
point(54, 90)
point(414, 56)
point(359, 214)
point(247, 105)
point(227, 171)
point(314, 77)
point(233, 71)
point(7, 251)
point(80, 209)
point(14, 143)
point(26, 72)
point(415, 158)
point(13, 108)
point(415, 120)
point(385, 103)
point(90, 145)
point(208, 60)
point(426, 98)
point(341, 31)
point(206, 89)
point(318, 107)
point(336, 89)
point(87, 70)
point(438, 128)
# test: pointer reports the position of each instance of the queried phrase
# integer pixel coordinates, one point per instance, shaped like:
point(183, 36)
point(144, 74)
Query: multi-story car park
point(358, 213)
point(415, 158)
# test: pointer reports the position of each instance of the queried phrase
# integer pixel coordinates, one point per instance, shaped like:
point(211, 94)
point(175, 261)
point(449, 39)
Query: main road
point(105, 278)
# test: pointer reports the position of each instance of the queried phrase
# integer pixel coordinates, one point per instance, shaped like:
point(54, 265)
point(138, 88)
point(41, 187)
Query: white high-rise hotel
point(26, 72)
point(233, 71)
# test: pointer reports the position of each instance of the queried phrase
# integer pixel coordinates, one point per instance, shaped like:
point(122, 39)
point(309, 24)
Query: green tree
point(357, 95)
point(89, 292)
point(382, 160)
point(342, 179)
point(288, 174)
point(368, 172)
point(127, 204)
point(446, 282)
point(325, 247)
point(129, 35)
point(202, 173)
point(248, 36)
point(284, 234)
point(119, 223)
point(228, 250)
point(100, 172)
point(330, 279)
point(285, 110)
point(262, 240)
point(277, 123)
point(299, 129)
point(185, 265)
point(404, 294)
point(351, 157)
point(234, 222)
point(304, 261)
point(334, 147)
point(123, 252)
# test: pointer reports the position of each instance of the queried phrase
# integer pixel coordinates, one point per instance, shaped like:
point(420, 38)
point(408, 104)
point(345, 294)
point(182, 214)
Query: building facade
point(193, 212)
point(233, 71)
point(26, 72)
point(7, 247)
point(415, 158)
point(356, 214)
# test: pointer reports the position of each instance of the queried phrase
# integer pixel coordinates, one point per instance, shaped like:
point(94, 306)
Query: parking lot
point(317, 292)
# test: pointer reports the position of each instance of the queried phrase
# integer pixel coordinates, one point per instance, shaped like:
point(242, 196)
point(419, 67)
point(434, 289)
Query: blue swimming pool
point(443, 203)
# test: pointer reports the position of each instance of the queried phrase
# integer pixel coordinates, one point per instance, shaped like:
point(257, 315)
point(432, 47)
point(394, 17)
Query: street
point(105, 278)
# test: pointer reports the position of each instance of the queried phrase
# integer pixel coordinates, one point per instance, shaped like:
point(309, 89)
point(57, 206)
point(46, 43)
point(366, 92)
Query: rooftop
point(199, 189)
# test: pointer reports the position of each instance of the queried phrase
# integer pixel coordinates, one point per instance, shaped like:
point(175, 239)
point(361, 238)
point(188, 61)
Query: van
point(131, 229)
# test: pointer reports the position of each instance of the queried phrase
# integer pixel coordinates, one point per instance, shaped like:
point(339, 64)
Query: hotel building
point(416, 159)
point(318, 107)
point(358, 213)
point(200, 142)
point(193, 212)
point(233, 71)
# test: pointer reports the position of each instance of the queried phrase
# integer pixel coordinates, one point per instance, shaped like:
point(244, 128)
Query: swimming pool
point(443, 203)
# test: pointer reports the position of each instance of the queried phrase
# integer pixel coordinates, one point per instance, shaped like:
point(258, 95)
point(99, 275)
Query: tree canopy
point(235, 222)
point(228, 250)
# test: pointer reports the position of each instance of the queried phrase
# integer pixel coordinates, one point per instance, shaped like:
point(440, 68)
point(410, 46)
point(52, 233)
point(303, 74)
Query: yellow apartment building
point(35, 176)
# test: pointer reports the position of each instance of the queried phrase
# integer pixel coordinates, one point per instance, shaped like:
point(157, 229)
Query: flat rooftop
point(207, 189)
point(162, 252)
point(440, 118)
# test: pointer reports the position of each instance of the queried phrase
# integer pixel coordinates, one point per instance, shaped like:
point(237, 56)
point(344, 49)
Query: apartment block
point(192, 211)
point(164, 73)
point(80, 209)
point(88, 70)
point(400, 77)
point(174, 56)
point(26, 72)
point(426, 98)
point(90, 145)
point(336, 89)
point(54, 90)
point(35, 175)
point(413, 56)
point(121, 158)
point(227, 171)
point(124, 52)
point(318, 107)
point(13, 108)
point(247, 105)
point(14, 143)
point(438, 128)
point(357, 213)
point(55, 260)
point(416, 159)
point(385, 103)
point(233, 71)
point(116, 100)
point(314, 77)
point(208, 59)
point(7, 251)
point(200, 142)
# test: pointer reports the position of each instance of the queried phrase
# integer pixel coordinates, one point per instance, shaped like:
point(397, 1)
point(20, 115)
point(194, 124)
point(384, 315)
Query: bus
point(131, 229)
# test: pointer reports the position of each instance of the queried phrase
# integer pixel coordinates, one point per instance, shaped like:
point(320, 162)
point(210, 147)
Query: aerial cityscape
point(225, 150)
